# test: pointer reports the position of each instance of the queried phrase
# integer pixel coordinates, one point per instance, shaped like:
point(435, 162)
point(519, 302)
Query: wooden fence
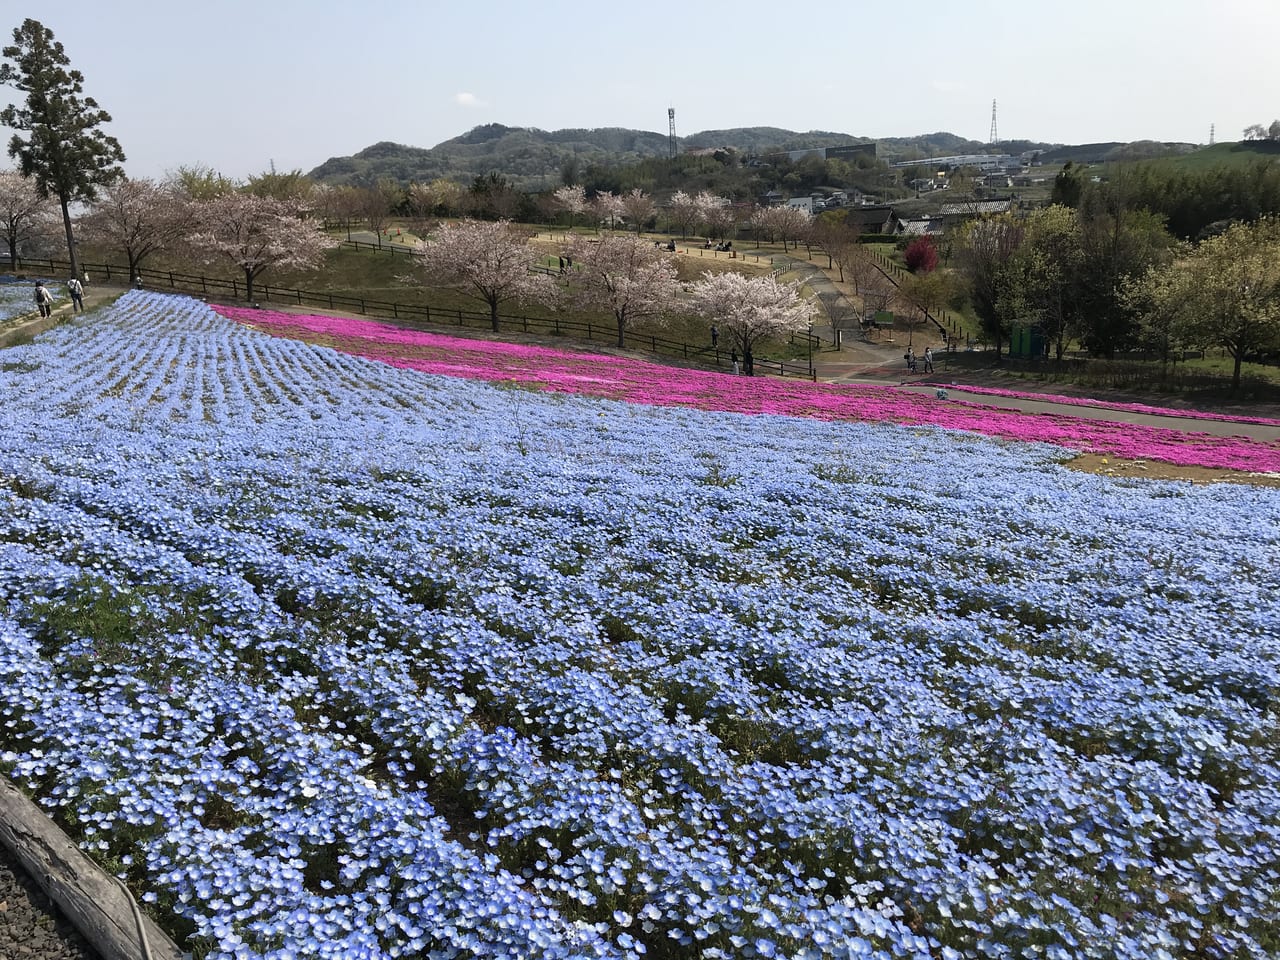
point(422, 316)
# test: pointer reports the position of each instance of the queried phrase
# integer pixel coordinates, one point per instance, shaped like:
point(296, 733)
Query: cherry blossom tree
point(749, 308)
point(255, 234)
point(606, 206)
point(717, 214)
point(572, 200)
point(487, 260)
point(638, 207)
point(139, 217)
point(625, 275)
point(762, 223)
point(792, 223)
point(685, 212)
point(23, 212)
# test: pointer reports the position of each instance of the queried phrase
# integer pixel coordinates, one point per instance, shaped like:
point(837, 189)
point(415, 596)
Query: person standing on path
point(715, 336)
point(77, 295)
point(44, 299)
point(928, 359)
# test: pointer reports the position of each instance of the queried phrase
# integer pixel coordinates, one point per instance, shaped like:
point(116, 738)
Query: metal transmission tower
point(671, 136)
point(994, 138)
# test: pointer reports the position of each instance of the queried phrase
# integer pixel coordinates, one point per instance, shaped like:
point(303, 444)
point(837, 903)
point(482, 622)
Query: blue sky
point(237, 85)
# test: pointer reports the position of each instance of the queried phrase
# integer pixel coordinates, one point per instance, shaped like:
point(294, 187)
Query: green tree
point(988, 247)
point(1049, 273)
point(65, 152)
point(1120, 239)
point(1233, 291)
point(1068, 185)
point(1160, 299)
point(292, 187)
point(199, 182)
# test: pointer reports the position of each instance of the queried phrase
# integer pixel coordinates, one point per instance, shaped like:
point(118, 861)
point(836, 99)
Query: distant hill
point(533, 159)
point(1117, 152)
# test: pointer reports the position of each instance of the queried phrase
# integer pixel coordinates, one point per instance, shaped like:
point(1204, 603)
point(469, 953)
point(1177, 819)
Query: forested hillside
point(533, 159)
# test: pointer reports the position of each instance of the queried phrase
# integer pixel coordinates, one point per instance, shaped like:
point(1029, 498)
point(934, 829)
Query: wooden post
point(91, 899)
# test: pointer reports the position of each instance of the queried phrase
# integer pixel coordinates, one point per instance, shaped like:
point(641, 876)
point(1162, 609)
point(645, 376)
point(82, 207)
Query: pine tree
point(64, 152)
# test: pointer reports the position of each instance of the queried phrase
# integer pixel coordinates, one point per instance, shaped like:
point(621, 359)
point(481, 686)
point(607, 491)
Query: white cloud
point(468, 100)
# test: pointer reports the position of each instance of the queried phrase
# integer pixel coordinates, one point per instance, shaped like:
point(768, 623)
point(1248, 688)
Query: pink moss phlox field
point(1114, 405)
point(638, 381)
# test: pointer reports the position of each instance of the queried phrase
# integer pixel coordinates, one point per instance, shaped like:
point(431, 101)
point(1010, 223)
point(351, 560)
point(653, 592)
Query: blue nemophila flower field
point(17, 299)
point(330, 659)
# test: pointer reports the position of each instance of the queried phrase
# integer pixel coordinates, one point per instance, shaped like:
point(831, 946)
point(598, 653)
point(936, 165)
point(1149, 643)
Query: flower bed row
point(638, 381)
point(333, 659)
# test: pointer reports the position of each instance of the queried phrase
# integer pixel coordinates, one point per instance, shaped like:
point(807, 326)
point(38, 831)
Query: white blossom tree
point(685, 212)
point(255, 234)
point(638, 207)
point(749, 308)
point(487, 260)
point(24, 214)
point(139, 217)
point(762, 223)
point(719, 217)
point(607, 206)
point(625, 275)
point(572, 200)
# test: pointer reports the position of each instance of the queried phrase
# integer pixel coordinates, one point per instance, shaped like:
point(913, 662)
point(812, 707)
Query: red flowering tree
point(921, 255)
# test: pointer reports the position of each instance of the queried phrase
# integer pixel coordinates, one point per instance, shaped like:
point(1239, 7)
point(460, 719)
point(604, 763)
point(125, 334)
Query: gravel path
point(30, 925)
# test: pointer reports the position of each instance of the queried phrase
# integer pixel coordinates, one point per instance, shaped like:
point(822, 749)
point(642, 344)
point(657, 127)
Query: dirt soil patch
point(1155, 470)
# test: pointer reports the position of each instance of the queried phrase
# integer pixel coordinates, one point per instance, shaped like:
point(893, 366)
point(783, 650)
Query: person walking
point(77, 295)
point(715, 336)
point(928, 359)
point(44, 299)
point(733, 358)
